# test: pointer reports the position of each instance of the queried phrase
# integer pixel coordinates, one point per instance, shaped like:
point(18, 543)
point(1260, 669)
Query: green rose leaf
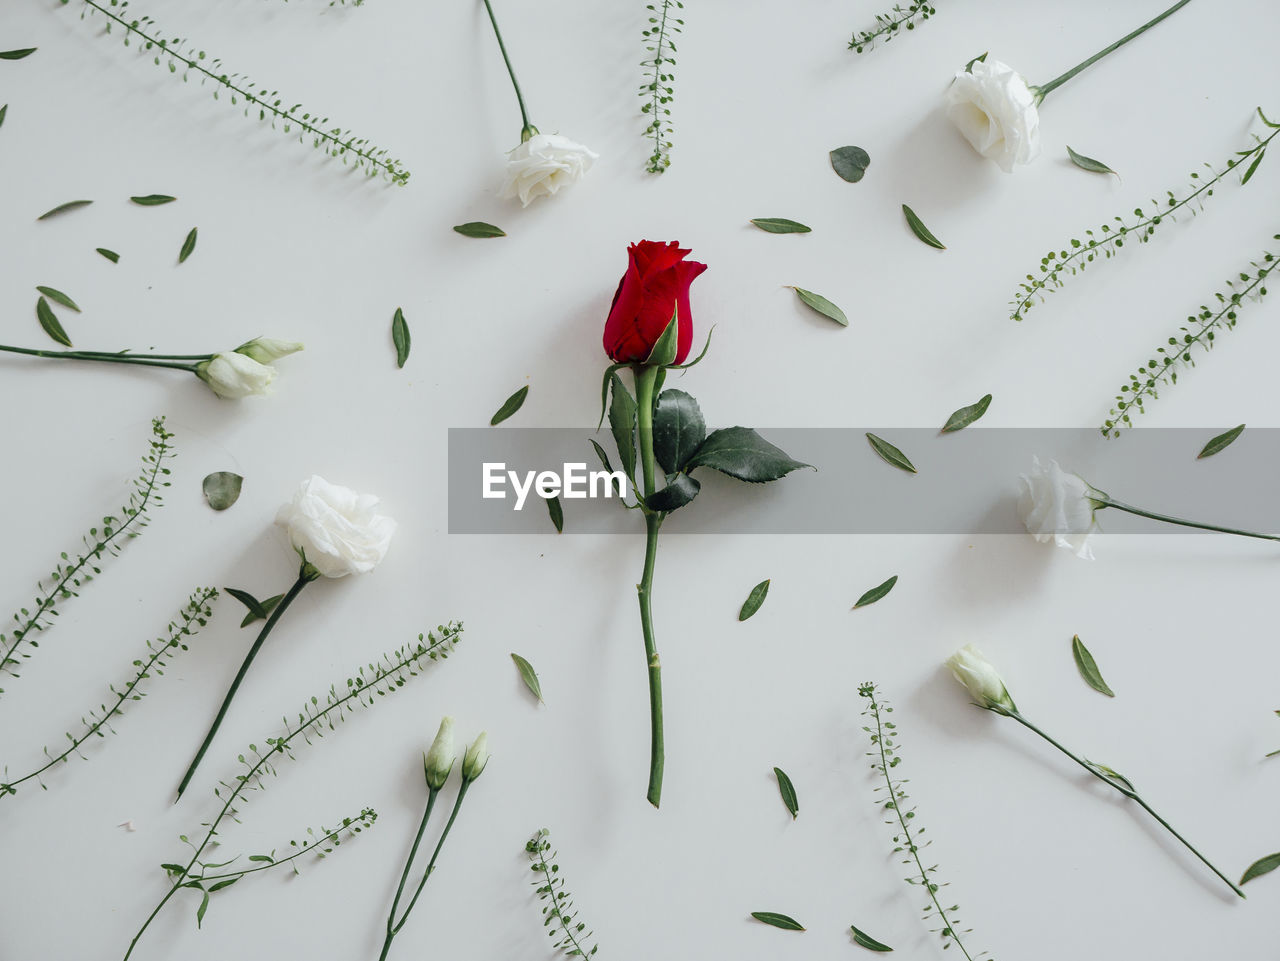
point(788, 792)
point(1221, 442)
point(44, 314)
point(528, 675)
point(823, 306)
point(58, 297)
point(63, 208)
point(153, 200)
point(556, 512)
point(604, 458)
point(890, 454)
point(622, 421)
point(966, 415)
point(478, 228)
point(1089, 667)
point(111, 255)
point(849, 163)
point(780, 225)
point(778, 920)
point(877, 592)
point(1260, 867)
point(742, 453)
point(400, 337)
point(680, 489)
point(222, 489)
point(188, 246)
point(754, 600)
point(667, 346)
point(867, 941)
point(920, 230)
point(1088, 163)
point(678, 429)
point(509, 406)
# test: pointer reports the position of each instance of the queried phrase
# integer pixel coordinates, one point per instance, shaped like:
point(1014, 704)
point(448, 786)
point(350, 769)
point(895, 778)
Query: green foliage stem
point(558, 913)
point(889, 24)
point(658, 90)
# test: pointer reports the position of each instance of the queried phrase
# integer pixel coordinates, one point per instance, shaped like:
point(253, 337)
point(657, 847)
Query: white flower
point(438, 762)
point(267, 349)
point(476, 758)
point(543, 164)
point(233, 376)
point(1058, 506)
point(977, 674)
point(997, 112)
point(336, 529)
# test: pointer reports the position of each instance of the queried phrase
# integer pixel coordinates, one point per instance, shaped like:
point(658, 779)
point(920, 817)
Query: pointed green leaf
point(510, 406)
point(742, 453)
point(528, 675)
point(666, 346)
point(1089, 667)
point(17, 54)
point(622, 421)
point(680, 489)
point(867, 941)
point(44, 314)
point(3, 110)
point(980, 58)
point(823, 306)
point(1088, 163)
point(849, 163)
point(966, 415)
point(478, 228)
point(604, 458)
point(788, 792)
point(556, 512)
point(778, 920)
point(1248, 174)
point(204, 906)
point(188, 246)
point(1114, 775)
point(877, 592)
point(111, 255)
point(400, 338)
point(222, 489)
point(153, 200)
point(780, 225)
point(268, 606)
point(219, 885)
point(262, 857)
point(63, 208)
point(678, 429)
point(1220, 442)
point(255, 606)
point(1260, 867)
point(754, 600)
point(920, 230)
point(890, 454)
point(58, 297)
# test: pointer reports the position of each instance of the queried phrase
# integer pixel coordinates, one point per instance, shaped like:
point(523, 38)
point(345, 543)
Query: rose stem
point(106, 358)
point(645, 380)
point(529, 130)
point(1044, 89)
point(1184, 523)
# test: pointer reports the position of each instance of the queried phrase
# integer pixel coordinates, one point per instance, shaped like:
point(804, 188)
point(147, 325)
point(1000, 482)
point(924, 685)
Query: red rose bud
point(655, 287)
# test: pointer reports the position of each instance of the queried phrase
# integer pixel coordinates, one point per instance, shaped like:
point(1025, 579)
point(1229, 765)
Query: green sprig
point(658, 90)
point(888, 25)
point(558, 913)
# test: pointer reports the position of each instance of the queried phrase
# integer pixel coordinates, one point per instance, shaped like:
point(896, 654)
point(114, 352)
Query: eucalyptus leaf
point(849, 163)
point(58, 297)
point(1220, 442)
point(1260, 867)
point(111, 255)
point(400, 337)
point(622, 421)
point(920, 230)
point(44, 314)
point(780, 225)
point(823, 306)
point(63, 208)
point(188, 246)
point(478, 228)
point(509, 406)
point(1089, 667)
point(556, 511)
point(788, 792)
point(778, 920)
point(876, 593)
point(528, 675)
point(754, 600)
point(890, 454)
point(966, 415)
point(680, 489)
point(222, 489)
point(17, 54)
point(678, 429)
point(1088, 163)
point(743, 454)
point(867, 941)
point(153, 200)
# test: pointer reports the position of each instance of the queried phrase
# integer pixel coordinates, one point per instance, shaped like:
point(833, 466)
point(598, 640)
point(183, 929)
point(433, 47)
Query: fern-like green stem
point(432, 794)
point(172, 364)
point(646, 378)
point(431, 865)
point(364, 820)
point(528, 130)
point(1167, 519)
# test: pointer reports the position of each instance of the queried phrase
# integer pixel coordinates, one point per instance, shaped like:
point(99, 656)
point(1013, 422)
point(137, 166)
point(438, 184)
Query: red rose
point(655, 286)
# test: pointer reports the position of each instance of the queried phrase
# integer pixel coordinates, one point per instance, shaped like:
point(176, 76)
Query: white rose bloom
point(983, 681)
point(1058, 506)
point(997, 112)
point(543, 164)
point(336, 529)
point(267, 349)
point(234, 376)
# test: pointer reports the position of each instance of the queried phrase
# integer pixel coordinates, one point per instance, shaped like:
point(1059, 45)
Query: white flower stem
point(1130, 509)
point(158, 360)
point(529, 130)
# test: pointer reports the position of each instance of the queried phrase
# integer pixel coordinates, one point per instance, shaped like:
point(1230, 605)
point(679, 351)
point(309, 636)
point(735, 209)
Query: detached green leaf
point(780, 225)
point(1220, 442)
point(111, 255)
point(742, 453)
point(966, 415)
point(188, 246)
point(850, 163)
point(222, 489)
point(510, 406)
point(63, 208)
point(44, 314)
point(556, 511)
point(528, 675)
point(153, 200)
point(678, 429)
point(778, 920)
point(17, 54)
point(920, 230)
point(823, 306)
point(890, 454)
point(1260, 867)
point(788, 792)
point(1088, 163)
point(58, 297)
point(400, 338)
point(478, 228)
point(754, 600)
point(1089, 667)
point(867, 941)
point(877, 592)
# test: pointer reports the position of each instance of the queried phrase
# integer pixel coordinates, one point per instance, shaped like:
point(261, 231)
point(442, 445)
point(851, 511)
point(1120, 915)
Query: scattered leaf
point(823, 306)
point(754, 600)
point(153, 200)
point(528, 675)
point(890, 454)
point(58, 297)
point(478, 228)
point(17, 54)
point(1260, 867)
point(111, 255)
point(556, 510)
point(1088, 163)
point(63, 208)
point(920, 230)
point(3, 110)
point(850, 163)
point(510, 406)
point(778, 920)
point(400, 337)
point(188, 246)
point(1089, 667)
point(222, 489)
point(867, 941)
point(788, 792)
point(780, 225)
point(743, 454)
point(876, 593)
point(44, 313)
point(966, 415)
point(1220, 442)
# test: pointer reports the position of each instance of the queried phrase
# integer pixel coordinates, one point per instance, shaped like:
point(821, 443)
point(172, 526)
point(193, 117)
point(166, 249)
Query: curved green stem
point(1129, 509)
point(432, 793)
point(529, 130)
point(104, 357)
point(646, 378)
point(431, 865)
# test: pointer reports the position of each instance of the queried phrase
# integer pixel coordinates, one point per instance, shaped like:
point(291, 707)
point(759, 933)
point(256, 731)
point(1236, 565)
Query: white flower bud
point(984, 683)
point(477, 757)
point(438, 762)
point(267, 349)
point(233, 376)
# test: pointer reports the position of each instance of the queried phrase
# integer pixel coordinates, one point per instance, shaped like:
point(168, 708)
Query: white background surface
point(1044, 863)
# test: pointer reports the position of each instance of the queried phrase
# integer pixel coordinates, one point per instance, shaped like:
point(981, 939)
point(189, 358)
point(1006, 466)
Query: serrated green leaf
point(1088, 163)
point(680, 489)
point(890, 454)
point(778, 920)
point(510, 406)
point(678, 429)
point(877, 592)
point(1223, 440)
point(17, 54)
point(966, 415)
point(222, 489)
point(153, 200)
point(604, 458)
point(63, 208)
point(556, 511)
point(754, 600)
point(780, 225)
point(622, 422)
point(1260, 867)
point(849, 163)
point(478, 228)
point(400, 337)
point(788, 792)
point(528, 675)
point(188, 246)
point(58, 297)
point(867, 941)
point(823, 306)
point(111, 255)
point(742, 453)
point(920, 230)
point(44, 314)
point(1089, 667)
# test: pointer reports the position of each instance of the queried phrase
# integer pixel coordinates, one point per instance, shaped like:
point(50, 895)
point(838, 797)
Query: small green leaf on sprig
point(658, 91)
point(890, 454)
point(153, 200)
point(754, 600)
point(823, 306)
point(44, 314)
point(63, 208)
point(17, 54)
point(778, 920)
point(222, 489)
point(478, 228)
point(510, 406)
point(876, 593)
point(780, 225)
point(1260, 867)
point(889, 25)
point(572, 936)
point(1088, 163)
point(920, 230)
point(188, 246)
point(400, 337)
point(528, 675)
point(555, 510)
point(1089, 667)
point(967, 415)
point(58, 297)
point(867, 941)
point(111, 255)
point(849, 163)
point(1221, 442)
point(788, 792)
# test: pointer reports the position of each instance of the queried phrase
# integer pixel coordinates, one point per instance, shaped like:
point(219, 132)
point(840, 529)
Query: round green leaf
point(849, 163)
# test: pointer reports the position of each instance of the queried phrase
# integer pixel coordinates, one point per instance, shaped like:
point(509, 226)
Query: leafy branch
point(98, 723)
point(177, 52)
point(884, 759)
point(558, 912)
point(1200, 331)
point(369, 683)
point(888, 25)
point(1057, 265)
point(657, 90)
point(69, 576)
